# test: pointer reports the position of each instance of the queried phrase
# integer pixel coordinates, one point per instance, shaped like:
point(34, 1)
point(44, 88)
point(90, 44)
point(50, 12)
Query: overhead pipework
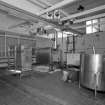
point(56, 6)
point(33, 15)
point(85, 12)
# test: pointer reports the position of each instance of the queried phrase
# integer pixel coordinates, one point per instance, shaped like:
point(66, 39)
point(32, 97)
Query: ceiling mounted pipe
point(85, 12)
point(55, 24)
point(56, 6)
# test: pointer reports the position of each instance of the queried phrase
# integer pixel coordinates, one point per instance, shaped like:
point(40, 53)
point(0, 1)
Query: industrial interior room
point(52, 52)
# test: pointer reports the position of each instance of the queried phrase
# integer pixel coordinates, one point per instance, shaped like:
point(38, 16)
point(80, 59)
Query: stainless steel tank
point(92, 73)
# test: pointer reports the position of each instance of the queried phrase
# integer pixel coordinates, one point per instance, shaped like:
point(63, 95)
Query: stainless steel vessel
point(92, 73)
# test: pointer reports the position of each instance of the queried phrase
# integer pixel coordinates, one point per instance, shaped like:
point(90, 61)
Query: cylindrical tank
point(92, 73)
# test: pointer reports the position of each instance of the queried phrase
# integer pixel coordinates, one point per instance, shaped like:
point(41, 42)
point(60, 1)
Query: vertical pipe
point(0, 46)
point(62, 49)
point(18, 40)
point(5, 45)
point(56, 39)
point(67, 44)
point(73, 44)
point(94, 50)
point(62, 37)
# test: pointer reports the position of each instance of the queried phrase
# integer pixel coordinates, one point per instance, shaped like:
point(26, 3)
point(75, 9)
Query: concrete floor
point(45, 89)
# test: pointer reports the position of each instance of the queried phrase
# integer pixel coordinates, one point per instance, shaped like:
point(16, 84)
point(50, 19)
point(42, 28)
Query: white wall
point(86, 42)
point(6, 21)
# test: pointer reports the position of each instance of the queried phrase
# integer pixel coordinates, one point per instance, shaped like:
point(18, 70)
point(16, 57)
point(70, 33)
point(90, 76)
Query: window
point(61, 34)
point(102, 24)
point(92, 26)
point(64, 34)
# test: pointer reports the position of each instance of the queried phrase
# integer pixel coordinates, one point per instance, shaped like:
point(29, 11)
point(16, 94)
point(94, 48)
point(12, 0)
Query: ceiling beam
point(9, 13)
point(35, 2)
point(102, 7)
point(49, 5)
point(23, 4)
point(45, 2)
point(89, 18)
point(63, 12)
point(56, 6)
point(22, 10)
point(20, 24)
